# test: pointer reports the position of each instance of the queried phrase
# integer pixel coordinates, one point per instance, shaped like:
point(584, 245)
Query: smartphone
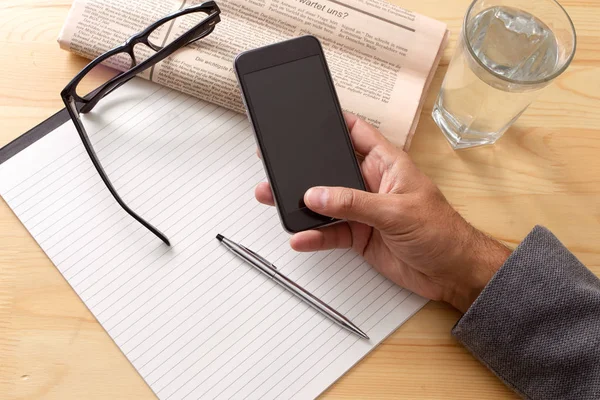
point(299, 126)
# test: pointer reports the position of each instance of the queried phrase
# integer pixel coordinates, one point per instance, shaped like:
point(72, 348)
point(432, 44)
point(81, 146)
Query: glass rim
point(504, 78)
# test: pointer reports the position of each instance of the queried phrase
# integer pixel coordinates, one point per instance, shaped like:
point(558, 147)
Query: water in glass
point(485, 89)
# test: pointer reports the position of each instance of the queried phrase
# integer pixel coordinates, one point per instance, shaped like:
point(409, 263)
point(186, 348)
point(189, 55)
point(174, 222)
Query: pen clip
point(261, 258)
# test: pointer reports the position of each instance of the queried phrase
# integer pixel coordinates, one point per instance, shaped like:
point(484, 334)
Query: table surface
point(546, 170)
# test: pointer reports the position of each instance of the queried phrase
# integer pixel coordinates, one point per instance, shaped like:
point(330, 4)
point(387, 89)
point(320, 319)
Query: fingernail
point(317, 197)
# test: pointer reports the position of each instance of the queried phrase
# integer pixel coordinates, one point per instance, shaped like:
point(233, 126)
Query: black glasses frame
point(76, 104)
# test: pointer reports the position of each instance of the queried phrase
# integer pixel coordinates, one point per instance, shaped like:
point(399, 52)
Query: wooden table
point(546, 170)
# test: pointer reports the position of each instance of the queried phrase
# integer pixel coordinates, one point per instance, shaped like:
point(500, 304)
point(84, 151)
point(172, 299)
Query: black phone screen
point(303, 138)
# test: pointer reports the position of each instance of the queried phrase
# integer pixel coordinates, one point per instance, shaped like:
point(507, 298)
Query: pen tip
point(220, 237)
point(361, 333)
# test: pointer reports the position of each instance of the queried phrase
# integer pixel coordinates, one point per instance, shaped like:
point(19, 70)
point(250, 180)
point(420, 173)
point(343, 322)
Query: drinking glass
point(507, 52)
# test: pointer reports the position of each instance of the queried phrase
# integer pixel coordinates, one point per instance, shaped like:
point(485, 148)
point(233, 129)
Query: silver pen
point(271, 271)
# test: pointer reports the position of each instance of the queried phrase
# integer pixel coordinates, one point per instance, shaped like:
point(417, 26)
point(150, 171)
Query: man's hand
point(405, 228)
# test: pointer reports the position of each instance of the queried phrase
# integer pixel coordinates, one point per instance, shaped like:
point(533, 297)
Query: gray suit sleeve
point(537, 323)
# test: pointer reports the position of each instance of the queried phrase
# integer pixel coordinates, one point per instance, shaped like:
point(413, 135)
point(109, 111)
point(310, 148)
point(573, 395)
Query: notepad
point(194, 320)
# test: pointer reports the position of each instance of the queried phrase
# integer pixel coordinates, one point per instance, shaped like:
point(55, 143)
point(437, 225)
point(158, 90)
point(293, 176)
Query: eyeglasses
point(201, 20)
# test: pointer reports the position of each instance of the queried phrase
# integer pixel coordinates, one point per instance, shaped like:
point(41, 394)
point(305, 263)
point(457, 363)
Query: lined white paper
point(195, 321)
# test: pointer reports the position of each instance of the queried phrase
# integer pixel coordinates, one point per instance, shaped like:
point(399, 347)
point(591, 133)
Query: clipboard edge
point(33, 135)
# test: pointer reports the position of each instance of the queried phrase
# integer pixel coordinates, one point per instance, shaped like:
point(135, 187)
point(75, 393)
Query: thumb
point(348, 204)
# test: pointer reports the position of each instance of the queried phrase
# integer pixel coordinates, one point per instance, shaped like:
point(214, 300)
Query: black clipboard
point(33, 135)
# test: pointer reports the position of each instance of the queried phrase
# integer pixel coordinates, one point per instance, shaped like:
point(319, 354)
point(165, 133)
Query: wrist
point(482, 256)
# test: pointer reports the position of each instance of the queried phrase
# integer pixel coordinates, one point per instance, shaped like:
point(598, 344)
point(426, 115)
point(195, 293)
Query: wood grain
point(546, 170)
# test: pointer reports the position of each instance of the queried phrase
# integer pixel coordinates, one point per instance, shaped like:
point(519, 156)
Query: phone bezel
point(272, 56)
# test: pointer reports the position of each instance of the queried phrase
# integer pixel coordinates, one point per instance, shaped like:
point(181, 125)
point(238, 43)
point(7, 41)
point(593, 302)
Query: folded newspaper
point(382, 57)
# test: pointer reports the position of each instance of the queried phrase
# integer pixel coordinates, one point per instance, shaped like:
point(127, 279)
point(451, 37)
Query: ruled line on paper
point(264, 283)
point(354, 341)
point(191, 291)
point(173, 223)
point(198, 228)
point(73, 148)
point(194, 320)
point(298, 352)
point(108, 196)
point(107, 199)
point(49, 184)
point(92, 174)
point(76, 148)
point(263, 339)
point(171, 281)
point(107, 166)
point(258, 280)
point(352, 294)
point(277, 334)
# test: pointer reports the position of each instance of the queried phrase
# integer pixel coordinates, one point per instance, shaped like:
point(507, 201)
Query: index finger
point(364, 136)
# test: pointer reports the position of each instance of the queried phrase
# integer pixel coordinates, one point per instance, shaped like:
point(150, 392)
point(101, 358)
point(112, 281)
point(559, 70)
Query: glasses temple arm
point(92, 154)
